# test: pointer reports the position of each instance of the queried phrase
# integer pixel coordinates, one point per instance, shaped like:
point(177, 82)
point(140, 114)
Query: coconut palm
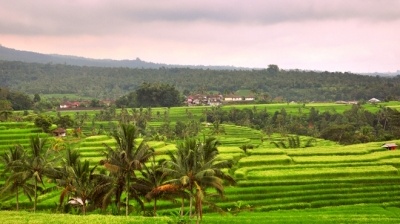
point(294, 142)
point(83, 184)
point(210, 150)
point(36, 165)
point(79, 181)
point(152, 179)
point(66, 177)
point(123, 161)
point(16, 180)
point(196, 167)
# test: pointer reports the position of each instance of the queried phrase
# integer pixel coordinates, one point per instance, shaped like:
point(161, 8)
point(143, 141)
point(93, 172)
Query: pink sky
point(335, 35)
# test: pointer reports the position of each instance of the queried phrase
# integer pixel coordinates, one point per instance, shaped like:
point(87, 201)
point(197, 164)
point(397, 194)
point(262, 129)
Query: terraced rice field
point(317, 177)
point(268, 178)
point(12, 133)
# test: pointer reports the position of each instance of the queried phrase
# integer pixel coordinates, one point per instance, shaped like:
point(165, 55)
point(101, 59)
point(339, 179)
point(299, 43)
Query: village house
point(59, 132)
point(196, 100)
point(232, 98)
point(214, 100)
point(201, 99)
point(389, 146)
point(346, 102)
point(69, 104)
point(106, 102)
point(249, 98)
point(374, 100)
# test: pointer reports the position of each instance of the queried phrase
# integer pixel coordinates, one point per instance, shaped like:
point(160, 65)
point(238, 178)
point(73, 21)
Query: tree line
point(355, 125)
point(276, 83)
point(147, 95)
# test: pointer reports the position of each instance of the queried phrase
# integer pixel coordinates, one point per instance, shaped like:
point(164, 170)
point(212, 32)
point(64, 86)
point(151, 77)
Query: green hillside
point(276, 84)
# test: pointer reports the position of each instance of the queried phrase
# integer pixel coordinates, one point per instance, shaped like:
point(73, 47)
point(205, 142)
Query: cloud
point(66, 17)
point(310, 34)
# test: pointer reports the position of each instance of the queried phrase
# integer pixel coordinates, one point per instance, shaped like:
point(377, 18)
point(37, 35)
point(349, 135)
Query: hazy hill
point(32, 73)
point(9, 54)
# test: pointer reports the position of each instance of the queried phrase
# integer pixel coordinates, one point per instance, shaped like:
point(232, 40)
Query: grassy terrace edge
point(338, 214)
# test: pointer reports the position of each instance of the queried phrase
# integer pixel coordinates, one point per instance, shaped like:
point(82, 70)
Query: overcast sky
point(332, 35)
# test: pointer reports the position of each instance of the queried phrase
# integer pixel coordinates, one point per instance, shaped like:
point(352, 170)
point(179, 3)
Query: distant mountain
point(9, 54)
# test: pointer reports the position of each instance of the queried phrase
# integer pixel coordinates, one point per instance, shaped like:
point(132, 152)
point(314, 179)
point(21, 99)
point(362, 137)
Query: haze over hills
point(9, 54)
point(31, 73)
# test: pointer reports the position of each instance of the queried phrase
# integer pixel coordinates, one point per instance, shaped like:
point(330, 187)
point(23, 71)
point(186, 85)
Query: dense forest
point(277, 84)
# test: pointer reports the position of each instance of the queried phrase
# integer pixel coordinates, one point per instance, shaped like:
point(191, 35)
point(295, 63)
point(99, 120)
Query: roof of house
point(232, 96)
point(374, 100)
point(59, 130)
point(389, 145)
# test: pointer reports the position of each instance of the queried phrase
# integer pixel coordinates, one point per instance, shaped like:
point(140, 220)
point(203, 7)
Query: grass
point(347, 158)
point(359, 214)
point(371, 180)
point(47, 218)
point(305, 173)
point(262, 160)
point(344, 214)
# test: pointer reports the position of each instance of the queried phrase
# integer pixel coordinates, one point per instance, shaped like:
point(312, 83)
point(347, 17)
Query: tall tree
point(196, 167)
point(20, 101)
point(44, 122)
point(64, 121)
point(36, 98)
point(16, 180)
point(124, 160)
point(156, 95)
point(65, 178)
point(36, 165)
point(152, 178)
point(81, 184)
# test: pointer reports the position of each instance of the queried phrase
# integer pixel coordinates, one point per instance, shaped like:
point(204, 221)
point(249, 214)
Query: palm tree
point(36, 165)
point(149, 185)
point(16, 179)
point(123, 161)
point(65, 180)
point(79, 181)
point(210, 147)
point(83, 183)
point(217, 128)
point(196, 167)
point(294, 142)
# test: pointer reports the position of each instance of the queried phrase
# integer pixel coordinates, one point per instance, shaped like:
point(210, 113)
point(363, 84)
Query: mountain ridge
point(10, 54)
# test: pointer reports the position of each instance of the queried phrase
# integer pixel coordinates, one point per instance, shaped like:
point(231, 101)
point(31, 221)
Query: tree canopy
point(274, 82)
point(14, 100)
